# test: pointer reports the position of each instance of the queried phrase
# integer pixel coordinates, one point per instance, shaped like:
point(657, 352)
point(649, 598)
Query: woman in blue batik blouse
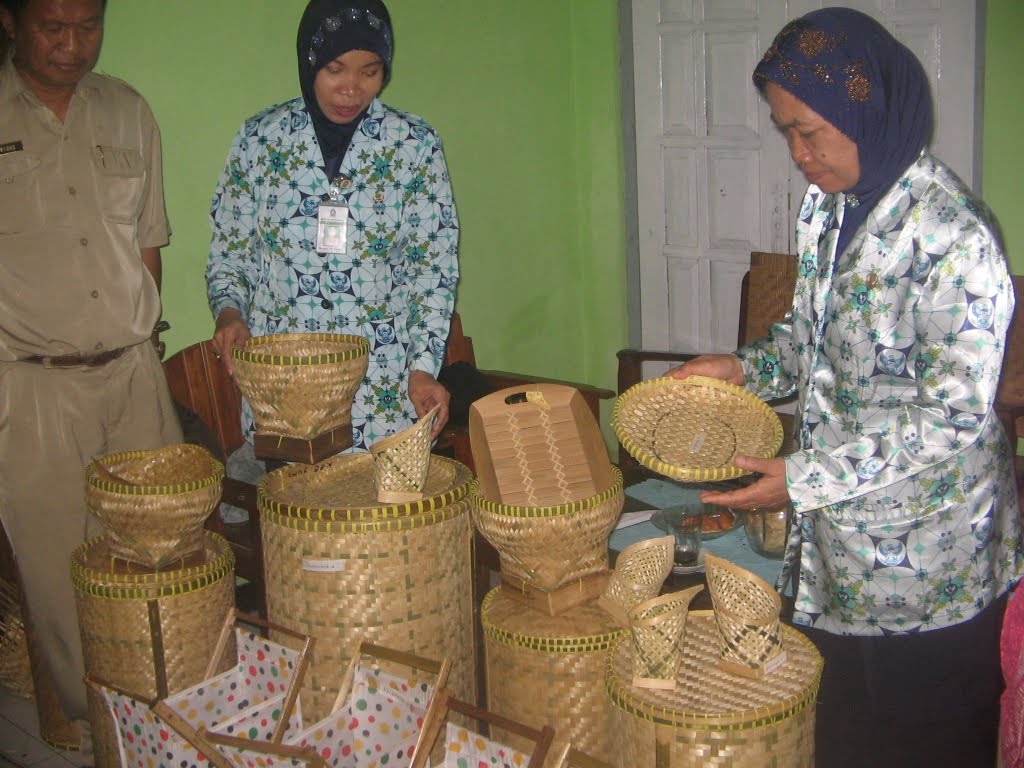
point(334, 214)
point(906, 533)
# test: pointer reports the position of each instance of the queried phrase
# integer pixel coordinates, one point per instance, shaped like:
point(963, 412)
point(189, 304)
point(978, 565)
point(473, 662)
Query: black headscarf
point(848, 68)
point(329, 29)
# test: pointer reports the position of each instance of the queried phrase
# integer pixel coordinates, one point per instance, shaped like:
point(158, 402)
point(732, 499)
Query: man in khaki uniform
point(82, 221)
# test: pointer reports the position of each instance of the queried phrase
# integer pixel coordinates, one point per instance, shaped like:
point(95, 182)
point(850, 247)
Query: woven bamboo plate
point(690, 429)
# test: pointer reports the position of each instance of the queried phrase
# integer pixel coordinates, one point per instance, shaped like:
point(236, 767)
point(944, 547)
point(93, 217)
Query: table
point(651, 495)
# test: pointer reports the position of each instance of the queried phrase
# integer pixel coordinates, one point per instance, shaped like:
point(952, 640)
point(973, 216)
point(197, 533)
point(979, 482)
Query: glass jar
point(767, 530)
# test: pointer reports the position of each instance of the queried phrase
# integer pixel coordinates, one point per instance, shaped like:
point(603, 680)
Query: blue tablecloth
point(732, 546)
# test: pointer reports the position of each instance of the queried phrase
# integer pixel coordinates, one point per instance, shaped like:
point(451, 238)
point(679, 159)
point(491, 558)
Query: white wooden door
point(714, 178)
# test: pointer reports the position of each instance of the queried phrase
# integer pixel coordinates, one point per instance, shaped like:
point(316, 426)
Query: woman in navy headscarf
point(334, 214)
point(906, 533)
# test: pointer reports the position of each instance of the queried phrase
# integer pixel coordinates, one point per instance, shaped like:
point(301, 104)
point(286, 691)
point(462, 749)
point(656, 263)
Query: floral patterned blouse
point(906, 512)
point(395, 283)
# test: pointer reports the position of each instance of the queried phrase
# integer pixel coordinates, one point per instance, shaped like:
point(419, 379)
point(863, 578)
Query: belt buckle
point(47, 362)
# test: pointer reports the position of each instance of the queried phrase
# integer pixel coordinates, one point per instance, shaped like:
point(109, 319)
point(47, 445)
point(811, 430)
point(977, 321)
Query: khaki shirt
point(78, 200)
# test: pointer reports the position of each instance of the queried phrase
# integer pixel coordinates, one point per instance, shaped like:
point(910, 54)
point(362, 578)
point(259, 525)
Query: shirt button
point(84, 241)
point(71, 191)
point(326, 304)
point(95, 294)
point(99, 345)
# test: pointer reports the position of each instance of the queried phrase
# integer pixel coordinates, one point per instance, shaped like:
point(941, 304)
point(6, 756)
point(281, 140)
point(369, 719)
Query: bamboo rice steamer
point(341, 566)
point(118, 604)
point(714, 718)
point(545, 669)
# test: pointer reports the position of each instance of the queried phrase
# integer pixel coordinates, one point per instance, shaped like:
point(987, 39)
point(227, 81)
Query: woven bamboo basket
point(117, 610)
point(15, 670)
point(341, 566)
point(400, 462)
point(657, 626)
point(153, 503)
point(550, 547)
point(301, 384)
point(537, 445)
point(640, 571)
point(747, 614)
point(549, 670)
point(713, 719)
point(690, 429)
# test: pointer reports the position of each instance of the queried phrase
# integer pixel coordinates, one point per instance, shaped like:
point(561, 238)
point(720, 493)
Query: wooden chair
point(199, 382)
point(447, 704)
point(766, 295)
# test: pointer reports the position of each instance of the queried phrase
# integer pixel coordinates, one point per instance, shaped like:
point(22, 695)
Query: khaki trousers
point(53, 422)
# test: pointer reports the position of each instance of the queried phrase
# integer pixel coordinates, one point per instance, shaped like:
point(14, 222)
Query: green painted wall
point(1003, 166)
point(525, 95)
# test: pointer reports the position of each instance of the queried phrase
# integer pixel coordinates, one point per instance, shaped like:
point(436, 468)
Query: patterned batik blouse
point(395, 284)
point(905, 508)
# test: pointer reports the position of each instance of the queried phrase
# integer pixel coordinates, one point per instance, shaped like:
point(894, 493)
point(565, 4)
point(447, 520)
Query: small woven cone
point(640, 571)
point(154, 503)
point(657, 626)
point(747, 615)
point(301, 384)
point(400, 461)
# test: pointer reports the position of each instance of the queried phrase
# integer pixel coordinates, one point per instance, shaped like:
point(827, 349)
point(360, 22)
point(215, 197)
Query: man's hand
point(425, 392)
point(767, 492)
point(231, 332)
point(724, 367)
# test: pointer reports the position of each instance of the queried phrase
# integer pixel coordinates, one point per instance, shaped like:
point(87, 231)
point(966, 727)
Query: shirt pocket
point(120, 178)
point(21, 200)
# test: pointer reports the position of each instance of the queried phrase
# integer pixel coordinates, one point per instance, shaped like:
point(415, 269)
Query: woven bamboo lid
point(690, 429)
point(706, 697)
point(340, 493)
point(582, 629)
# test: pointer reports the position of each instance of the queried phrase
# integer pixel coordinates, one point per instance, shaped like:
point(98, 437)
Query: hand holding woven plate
point(691, 429)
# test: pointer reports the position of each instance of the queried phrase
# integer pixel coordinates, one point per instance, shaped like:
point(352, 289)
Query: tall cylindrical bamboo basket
point(117, 604)
point(714, 719)
point(549, 670)
point(341, 566)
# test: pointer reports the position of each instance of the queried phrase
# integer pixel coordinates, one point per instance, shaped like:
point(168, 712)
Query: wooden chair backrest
point(200, 382)
point(460, 346)
point(766, 294)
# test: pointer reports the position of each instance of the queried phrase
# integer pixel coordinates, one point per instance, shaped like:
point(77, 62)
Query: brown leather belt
point(74, 361)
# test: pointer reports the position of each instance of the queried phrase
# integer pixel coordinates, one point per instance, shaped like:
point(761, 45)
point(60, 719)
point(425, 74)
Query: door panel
point(714, 178)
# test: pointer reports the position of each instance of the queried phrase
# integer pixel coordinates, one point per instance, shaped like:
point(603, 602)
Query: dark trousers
point(926, 699)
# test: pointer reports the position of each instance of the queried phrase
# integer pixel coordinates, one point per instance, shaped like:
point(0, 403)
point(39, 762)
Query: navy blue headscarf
point(329, 29)
point(846, 67)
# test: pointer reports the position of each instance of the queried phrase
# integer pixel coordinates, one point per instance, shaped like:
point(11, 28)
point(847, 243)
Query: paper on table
point(632, 518)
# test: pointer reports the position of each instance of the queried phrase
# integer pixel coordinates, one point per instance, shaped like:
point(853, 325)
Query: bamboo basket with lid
point(149, 631)
point(714, 718)
point(550, 669)
point(340, 566)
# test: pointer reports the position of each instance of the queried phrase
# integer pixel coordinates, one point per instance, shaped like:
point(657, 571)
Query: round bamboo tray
point(114, 608)
point(549, 670)
point(301, 384)
point(690, 429)
point(153, 503)
point(341, 566)
point(550, 547)
point(712, 718)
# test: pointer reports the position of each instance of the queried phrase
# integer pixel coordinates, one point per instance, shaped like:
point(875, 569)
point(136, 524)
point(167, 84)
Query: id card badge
point(332, 228)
